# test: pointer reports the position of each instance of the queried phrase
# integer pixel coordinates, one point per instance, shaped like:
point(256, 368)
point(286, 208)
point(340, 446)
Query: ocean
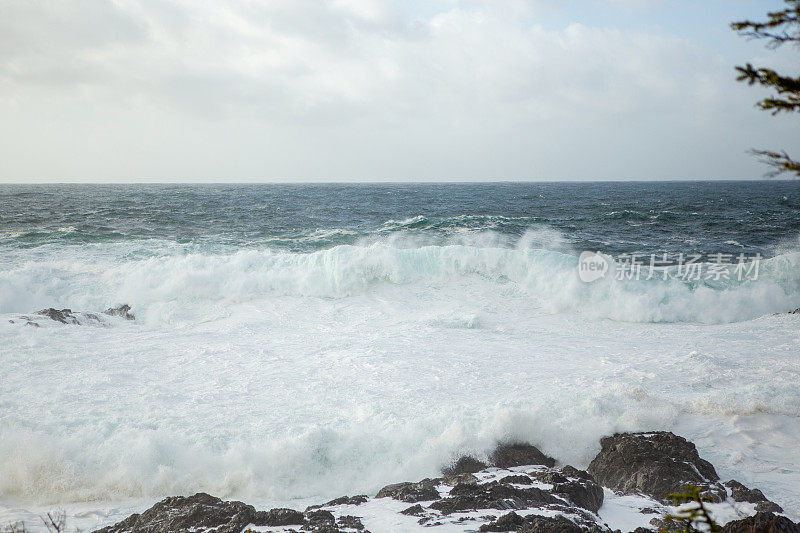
point(294, 343)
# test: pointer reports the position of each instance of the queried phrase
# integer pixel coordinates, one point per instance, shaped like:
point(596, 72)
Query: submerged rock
point(655, 464)
point(68, 316)
point(65, 316)
point(123, 311)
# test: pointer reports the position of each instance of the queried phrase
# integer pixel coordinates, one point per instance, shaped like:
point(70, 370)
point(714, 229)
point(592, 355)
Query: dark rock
point(768, 507)
point(64, 316)
point(550, 477)
point(740, 493)
point(555, 524)
point(494, 495)
point(520, 479)
point(585, 494)
point(519, 454)
point(347, 500)
point(508, 522)
point(468, 479)
point(423, 491)
point(655, 464)
point(320, 521)
point(649, 510)
point(121, 311)
point(320, 515)
point(191, 514)
point(351, 522)
point(795, 312)
point(571, 471)
point(665, 525)
point(414, 510)
point(464, 465)
point(762, 523)
point(642, 530)
point(282, 517)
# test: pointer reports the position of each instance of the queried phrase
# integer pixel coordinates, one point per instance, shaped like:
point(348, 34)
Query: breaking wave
point(548, 277)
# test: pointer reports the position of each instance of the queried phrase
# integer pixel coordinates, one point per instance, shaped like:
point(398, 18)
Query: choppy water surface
point(295, 342)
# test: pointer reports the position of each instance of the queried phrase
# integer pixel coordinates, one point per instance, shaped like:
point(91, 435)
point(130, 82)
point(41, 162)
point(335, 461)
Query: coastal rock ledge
point(520, 489)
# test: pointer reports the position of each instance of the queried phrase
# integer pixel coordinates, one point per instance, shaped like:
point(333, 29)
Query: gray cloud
point(360, 89)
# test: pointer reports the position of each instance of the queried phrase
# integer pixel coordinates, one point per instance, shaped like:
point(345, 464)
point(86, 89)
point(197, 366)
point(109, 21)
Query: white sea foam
point(272, 376)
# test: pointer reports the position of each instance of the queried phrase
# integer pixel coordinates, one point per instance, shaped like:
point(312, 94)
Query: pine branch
point(780, 162)
point(776, 29)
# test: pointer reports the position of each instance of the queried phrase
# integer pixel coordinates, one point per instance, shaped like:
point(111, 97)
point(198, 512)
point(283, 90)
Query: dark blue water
point(615, 218)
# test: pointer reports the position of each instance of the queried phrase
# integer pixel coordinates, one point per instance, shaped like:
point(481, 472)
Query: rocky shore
point(520, 489)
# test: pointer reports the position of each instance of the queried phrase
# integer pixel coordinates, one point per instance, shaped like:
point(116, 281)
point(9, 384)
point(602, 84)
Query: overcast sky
point(349, 90)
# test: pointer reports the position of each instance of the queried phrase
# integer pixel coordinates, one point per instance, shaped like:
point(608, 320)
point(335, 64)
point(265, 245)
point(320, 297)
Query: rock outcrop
point(655, 464)
point(68, 316)
point(123, 311)
point(762, 523)
point(202, 512)
point(522, 491)
point(519, 454)
point(740, 493)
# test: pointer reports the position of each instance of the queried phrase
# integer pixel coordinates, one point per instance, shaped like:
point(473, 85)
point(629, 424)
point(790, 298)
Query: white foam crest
point(91, 283)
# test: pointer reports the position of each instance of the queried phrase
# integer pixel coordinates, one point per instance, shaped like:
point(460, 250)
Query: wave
point(82, 280)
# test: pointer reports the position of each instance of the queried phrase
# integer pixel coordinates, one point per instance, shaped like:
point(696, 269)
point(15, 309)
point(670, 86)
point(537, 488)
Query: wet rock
point(555, 524)
point(520, 479)
point(655, 464)
point(414, 510)
point(64, 316)
point(740, 493)
point(519, 454)
point(550, 477)
point(464, 465)
point(762, 523)
point(423, 491)
point(347, 500)
point(123, 311)
point(350, 522)
point(493, 495)
point(197, 513)
point(665, 525)
point(67, 316)
point(469, 479)
point(508, 522)
point(320, 521)
point(583, 493)
point(282, 517)
point(571, 471)
point(768, 507)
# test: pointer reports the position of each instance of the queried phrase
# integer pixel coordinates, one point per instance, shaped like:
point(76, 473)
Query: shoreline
point(519, 488)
